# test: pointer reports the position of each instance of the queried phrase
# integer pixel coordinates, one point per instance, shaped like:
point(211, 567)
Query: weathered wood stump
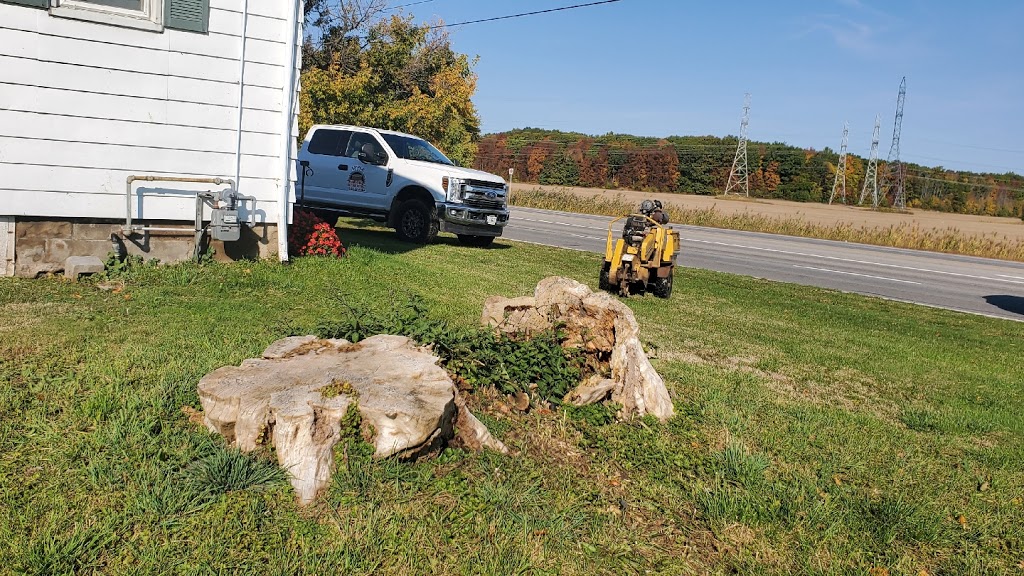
point(295, 396)
point(599, 324)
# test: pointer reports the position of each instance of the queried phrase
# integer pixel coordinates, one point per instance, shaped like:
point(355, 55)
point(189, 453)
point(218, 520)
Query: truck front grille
point(479, 194)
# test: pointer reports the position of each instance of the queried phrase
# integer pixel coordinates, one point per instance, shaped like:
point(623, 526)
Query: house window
point(155, 15)
point(144, 14)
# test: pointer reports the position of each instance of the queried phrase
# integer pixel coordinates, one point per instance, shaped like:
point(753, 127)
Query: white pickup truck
point(402, 180)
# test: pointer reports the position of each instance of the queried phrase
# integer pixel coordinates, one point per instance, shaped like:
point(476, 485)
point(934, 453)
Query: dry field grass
point(1010, 229)
point(985, 236)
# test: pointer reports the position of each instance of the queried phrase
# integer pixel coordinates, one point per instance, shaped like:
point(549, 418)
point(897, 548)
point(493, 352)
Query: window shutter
point(33, 3)
point(191, 15)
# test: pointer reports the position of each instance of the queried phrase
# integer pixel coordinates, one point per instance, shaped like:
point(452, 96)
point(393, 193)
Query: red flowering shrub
point(311, 235)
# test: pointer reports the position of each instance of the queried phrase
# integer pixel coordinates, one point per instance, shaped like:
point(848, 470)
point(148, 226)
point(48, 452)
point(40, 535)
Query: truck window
point(328, 142)
point(415, 149)
point(358, 140)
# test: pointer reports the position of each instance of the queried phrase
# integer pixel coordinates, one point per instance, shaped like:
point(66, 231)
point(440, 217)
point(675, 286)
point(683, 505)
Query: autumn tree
point(335, 32)
point(403, 77)
point(701, 165)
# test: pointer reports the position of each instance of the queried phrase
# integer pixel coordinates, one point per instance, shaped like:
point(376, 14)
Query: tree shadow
point(1014, 304)
point(368, 233)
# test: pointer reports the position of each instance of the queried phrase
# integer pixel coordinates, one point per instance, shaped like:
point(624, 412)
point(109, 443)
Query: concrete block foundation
point(41, 246)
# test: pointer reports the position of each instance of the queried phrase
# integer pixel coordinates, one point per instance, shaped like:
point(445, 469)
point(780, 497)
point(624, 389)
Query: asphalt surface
point(966, 284)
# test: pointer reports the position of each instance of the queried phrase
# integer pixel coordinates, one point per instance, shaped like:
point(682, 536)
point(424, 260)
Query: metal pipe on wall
point(128, 228)
point(241, 90)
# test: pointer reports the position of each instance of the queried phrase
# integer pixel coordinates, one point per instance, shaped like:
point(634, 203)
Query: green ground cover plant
point(816, 432)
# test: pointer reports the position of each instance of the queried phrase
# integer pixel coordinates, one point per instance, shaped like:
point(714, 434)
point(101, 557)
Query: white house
point(93, 92)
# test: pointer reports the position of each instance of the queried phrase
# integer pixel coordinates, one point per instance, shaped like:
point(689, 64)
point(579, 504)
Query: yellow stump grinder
point(644, 258)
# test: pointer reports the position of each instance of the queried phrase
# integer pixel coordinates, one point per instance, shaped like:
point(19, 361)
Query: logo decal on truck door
point(357, 182)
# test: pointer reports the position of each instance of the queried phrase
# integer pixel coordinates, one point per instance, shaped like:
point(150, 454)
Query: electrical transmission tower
point(839, 185)
point(738, 174)
point(895, 179)
point(871, 177)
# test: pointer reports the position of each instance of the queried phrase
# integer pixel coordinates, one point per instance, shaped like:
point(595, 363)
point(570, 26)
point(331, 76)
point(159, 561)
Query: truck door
point(367, 182)
point(328, 170)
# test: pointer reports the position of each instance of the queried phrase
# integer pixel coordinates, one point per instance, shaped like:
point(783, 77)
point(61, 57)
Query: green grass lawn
point(817, 433)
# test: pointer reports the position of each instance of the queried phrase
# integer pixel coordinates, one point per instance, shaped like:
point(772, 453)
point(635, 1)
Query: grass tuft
point(230, 470)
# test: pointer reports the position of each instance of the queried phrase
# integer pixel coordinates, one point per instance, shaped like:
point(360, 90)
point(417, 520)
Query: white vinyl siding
point(84, 105)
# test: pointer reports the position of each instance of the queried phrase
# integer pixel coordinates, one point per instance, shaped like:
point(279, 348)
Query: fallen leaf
point(79, 296)
point(127, 296)
point(522, 401)
point(879, 571)
point(837, 480)
point(983, 486)
point(194, 416)
point(923, 572)
point(963, 521)
point(615, 482)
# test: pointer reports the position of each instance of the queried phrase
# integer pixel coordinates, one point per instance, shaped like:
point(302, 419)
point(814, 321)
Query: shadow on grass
point(1014, 304)
point(368, 233)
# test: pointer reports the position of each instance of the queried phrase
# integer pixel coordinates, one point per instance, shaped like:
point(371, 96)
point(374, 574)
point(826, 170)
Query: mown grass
point(905, 235)
point(817, 433)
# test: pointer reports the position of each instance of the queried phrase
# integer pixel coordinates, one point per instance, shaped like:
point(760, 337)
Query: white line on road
point(998, 278)
point(559, 233)
point(855, 274)
point(568, 224)
point(836, 258)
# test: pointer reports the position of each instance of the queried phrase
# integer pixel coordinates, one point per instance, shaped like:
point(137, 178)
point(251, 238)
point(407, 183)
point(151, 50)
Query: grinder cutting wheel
point(644, 258)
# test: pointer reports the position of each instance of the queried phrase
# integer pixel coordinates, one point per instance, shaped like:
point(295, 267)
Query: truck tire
point(415, 222)
point(662, 287)
point(477, 241)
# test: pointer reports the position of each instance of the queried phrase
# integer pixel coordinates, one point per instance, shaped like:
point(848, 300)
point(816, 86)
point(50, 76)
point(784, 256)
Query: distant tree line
point(701, 165)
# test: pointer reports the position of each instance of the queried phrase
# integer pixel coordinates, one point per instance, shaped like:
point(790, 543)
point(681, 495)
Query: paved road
point(974, 285)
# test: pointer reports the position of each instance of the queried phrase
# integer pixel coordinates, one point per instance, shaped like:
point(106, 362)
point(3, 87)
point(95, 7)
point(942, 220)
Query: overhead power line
point(524, 14)
point(407, 5)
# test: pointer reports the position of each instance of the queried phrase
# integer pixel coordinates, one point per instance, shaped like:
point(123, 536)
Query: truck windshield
point(415, 149)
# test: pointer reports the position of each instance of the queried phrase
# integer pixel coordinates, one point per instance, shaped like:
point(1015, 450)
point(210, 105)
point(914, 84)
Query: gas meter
point(224, 223)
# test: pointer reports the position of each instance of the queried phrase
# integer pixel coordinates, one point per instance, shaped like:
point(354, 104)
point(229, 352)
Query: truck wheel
point(477, 241)
point(662, 287)
point(415, 222)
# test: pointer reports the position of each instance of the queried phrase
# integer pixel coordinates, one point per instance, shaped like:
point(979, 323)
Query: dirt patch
point(822, 214)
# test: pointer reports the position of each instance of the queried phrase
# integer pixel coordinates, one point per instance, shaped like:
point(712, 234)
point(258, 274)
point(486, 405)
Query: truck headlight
point(453, 189)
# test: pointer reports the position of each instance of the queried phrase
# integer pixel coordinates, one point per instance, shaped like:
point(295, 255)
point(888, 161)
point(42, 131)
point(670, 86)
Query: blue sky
point(660, 68)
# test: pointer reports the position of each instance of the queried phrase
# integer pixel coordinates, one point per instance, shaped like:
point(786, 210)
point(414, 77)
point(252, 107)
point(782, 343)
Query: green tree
point(405, 78)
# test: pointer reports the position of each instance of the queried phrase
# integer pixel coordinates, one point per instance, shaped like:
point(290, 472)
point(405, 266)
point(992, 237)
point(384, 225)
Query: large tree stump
point(296, 395)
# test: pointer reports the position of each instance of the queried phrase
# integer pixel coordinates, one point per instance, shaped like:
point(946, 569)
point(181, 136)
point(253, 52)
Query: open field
point(817, 213)
point(817, 433)
point(987, 236)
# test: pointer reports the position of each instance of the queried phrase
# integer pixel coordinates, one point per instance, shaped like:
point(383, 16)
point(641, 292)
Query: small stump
point(599, 324)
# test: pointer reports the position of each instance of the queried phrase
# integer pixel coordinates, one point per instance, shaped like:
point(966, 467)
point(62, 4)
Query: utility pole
point(871, 177)
point(895, 179)
point(738, 174)
point(840, 181)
